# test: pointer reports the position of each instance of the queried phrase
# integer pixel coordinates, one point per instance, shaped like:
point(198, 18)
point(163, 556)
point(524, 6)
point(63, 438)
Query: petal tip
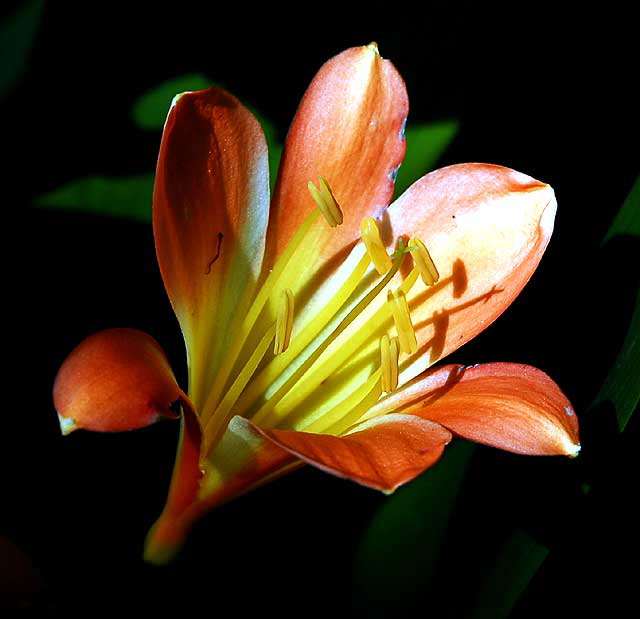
point(177, 98)
point(547, 218)
point(114, 380)
point(573, 450)
point(164, 541)
point(67, 425)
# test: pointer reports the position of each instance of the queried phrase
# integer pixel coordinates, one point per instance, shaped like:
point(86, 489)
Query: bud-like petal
point(115, 380)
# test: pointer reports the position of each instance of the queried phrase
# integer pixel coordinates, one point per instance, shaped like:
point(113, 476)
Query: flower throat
point(297, 371)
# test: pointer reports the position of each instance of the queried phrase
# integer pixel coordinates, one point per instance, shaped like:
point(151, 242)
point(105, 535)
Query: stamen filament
point(222, 412)
point(266, 416)
point(284, 322)
point(357, 412)
point(349, 409)
point(402, 320)
point(359, 339)
point(371, 237)
point(424, 263)
point(254, 311)
point(278, 364)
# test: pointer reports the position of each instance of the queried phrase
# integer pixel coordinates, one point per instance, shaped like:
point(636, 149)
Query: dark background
point(535, 88)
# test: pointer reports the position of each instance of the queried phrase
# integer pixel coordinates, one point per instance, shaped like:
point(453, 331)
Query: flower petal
point(210, 209)
point(242, 461)
point(486, 228)
point(381, 453)
point(506, 405)
point(115, 380)
point(349, 129)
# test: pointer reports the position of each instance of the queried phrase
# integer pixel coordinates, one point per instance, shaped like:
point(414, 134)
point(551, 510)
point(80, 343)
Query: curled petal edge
point(510, 406)
point(382, 453)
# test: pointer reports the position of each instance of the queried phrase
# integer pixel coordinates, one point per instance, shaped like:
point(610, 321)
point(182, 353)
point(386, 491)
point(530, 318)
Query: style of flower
point(311, 320)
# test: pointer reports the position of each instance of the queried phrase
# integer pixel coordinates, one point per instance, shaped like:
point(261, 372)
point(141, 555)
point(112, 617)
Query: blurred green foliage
point(128, 197)
point(622, 385)
point(425, 145)
point(150, 110)
point(512, 570)
point(401, 546)
point(17, 35)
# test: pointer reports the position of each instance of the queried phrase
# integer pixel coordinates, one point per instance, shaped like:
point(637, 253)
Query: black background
point(539, 88)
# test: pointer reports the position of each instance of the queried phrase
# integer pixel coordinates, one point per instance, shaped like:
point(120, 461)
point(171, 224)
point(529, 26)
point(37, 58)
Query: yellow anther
point(284, 322)
point(389, 353)
point(402, 320)
point(326, 202)
point(424, 263)
point(372, 241)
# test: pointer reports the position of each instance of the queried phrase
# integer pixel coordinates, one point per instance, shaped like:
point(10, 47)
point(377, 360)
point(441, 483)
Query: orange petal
point(115, 380)
point(381, 453)
point(486, 228)
point(167, 534)
point(349, 130)
point(242, 461)
point(210, 208)
point(506, 405)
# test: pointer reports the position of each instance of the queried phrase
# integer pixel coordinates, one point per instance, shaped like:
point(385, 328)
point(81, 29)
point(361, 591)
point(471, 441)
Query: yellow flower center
point(281, 389)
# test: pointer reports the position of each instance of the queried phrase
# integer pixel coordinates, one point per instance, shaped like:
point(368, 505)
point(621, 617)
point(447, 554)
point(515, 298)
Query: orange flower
point(311, 320)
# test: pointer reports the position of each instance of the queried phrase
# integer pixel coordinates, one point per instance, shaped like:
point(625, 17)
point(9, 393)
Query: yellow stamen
point(312, 380)
point(267, 416)
point(284, 322)
point(223, 409)
point(349, 410)
point(250, 318)
point(389, 353)
point(326, 202)
point(402, 320)
point(424, 263)
point(278, 364)
point(372, 241)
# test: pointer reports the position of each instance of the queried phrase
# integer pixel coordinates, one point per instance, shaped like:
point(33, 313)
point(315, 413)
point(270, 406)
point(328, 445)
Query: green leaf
point(425, 145)
point(399, 550)
point(627, 220)
point(151, 109)
point(515, 566)
point(128, 197)
point(622, 385)
point(17, 34)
